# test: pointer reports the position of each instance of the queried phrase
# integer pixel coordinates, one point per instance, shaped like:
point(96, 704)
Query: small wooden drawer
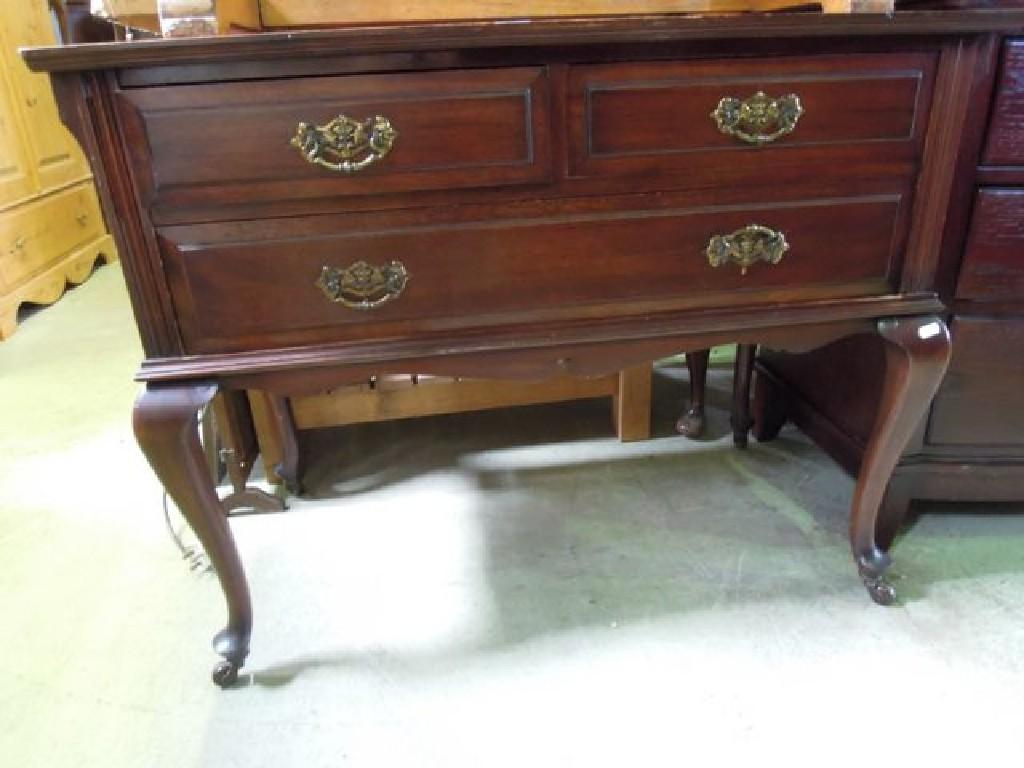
point(1006, 131)
point(240, 142)
point(249, 285)
point(856, 114)
point(981, 400)
point(34, 236)
point(993, 266)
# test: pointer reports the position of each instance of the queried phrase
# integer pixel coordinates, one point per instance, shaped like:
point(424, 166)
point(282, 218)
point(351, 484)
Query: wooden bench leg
point(691, 423)
point(268, 433)
point(278, 439)
point(742, 373)
point(632, 403)
point(234, 422)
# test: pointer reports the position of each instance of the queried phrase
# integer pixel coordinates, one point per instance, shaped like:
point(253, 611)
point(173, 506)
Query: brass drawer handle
point(345, 145)
point(746, 247)
point(362, 285)
point(759, 119)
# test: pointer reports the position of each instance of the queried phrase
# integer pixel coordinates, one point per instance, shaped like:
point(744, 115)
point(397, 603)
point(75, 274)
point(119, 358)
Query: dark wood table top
point(385, 38)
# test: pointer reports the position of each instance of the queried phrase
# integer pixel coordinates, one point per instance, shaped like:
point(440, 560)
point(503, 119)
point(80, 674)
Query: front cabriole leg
point(166, 428)
point(916, 355)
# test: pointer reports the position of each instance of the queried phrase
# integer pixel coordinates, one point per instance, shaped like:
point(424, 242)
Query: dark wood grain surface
point(231, 141)
point(244, 294)
point(972, 445)
point(857, 110)
point(981, 399)
point(993, 265)
point(551, 196)
point(533, 32)
point(1006, 133)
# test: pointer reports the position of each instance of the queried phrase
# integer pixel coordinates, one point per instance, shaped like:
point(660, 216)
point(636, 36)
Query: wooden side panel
point(842, 382)
point(405, 396)
point(430, 395)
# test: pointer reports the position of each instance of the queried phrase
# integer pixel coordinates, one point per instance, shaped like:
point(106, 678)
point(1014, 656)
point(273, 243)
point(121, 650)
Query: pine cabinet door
point(16, 181)
point(55, 156)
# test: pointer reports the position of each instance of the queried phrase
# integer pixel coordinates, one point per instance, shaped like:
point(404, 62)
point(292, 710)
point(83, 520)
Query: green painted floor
point(512, 588)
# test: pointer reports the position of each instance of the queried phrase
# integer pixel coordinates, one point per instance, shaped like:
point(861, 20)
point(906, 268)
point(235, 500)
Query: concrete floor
point(510, 588)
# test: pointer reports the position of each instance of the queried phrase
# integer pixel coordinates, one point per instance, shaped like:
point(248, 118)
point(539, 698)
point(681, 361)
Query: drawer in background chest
point(33, 236)
point(981, 400)
point(238, 143)
point(780, 121)
point(1005, 144)
point(993, 264)
point(251, 285)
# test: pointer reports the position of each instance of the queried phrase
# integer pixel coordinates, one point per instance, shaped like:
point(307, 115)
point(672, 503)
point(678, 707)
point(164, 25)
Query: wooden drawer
point(862, 115)
point(981, 401)
point(249, 285)
point(1006, 131)
point(36, 235)
point(993, 265)
point(230, 142)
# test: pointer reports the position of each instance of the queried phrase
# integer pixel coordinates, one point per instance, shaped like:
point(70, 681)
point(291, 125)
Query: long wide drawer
point(778, 118)
point(296, 281)
point(292, 139)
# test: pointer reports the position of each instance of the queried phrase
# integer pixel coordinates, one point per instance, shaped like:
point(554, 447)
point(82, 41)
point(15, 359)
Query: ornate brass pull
point(362, 285)
point(759, 119)
point(747, 246)
point(345, 145)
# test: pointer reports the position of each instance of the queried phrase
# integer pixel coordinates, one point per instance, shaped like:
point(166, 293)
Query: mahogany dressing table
point(519, 199)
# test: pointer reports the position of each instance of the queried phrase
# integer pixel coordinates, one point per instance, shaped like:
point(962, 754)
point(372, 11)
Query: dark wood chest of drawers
point(518, 176)
point(521, 200)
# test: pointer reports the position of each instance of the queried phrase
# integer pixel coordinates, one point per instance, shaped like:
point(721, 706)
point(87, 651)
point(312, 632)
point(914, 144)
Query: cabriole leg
point(165, 426)
point(691, 423)
point(916, 355)
point(893, 511)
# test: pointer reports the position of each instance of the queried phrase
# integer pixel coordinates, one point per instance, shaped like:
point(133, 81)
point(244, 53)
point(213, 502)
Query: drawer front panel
point(34, 236)
point(231, 142)
point(993, 266)
point(657, 117)
point(981, 401)
point(1006, 131)
point(244, 294)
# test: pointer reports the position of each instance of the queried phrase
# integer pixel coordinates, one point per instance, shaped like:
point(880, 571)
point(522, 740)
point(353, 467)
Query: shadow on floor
point(580, 533)
point(366, 457)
